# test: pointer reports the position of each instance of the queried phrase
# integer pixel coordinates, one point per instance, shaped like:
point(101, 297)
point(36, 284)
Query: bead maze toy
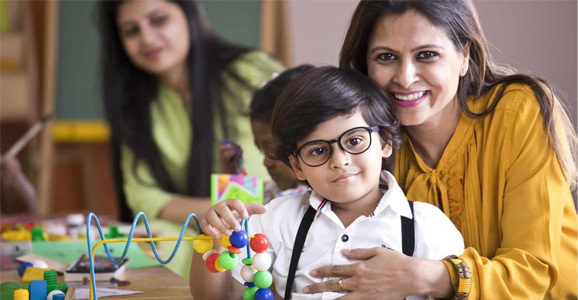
point(254, 272)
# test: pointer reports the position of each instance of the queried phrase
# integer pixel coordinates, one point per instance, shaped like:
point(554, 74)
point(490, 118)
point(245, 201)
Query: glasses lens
point(356, 140)
point(315, 153)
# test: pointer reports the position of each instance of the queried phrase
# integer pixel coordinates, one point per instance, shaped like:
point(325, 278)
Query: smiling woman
point(156, 39)
point(172, 90)
point(491, 148)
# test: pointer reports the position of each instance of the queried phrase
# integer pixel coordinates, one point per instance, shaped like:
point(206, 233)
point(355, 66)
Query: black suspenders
point(407, 241)
point(408, 233)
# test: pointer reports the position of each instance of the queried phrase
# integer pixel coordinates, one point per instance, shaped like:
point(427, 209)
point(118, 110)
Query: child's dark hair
point(265, 98)
point(322, 94)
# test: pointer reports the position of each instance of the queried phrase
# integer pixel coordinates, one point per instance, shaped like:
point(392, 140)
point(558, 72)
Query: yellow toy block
point(32, 273)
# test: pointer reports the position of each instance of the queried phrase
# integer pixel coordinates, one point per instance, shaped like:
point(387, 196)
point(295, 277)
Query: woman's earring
point(464, 71)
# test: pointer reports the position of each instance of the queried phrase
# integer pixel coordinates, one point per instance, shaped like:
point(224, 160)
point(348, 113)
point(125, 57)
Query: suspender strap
point(407, 240)
point(297, 248)
point(408, 233)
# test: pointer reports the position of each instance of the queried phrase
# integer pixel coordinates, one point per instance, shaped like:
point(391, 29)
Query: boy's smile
point(349, 181)
point(345, 177)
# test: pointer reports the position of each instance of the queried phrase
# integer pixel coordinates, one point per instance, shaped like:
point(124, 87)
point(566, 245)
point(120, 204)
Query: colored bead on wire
point(255, 270)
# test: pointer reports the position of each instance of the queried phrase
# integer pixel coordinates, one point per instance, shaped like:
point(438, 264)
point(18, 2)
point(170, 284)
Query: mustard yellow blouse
point(500, 183)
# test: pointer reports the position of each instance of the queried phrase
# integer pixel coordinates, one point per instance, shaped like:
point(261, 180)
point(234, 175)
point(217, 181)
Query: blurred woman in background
point(172, 90)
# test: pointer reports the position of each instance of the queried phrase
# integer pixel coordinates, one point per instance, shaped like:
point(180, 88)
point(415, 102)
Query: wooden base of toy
point(70, 294)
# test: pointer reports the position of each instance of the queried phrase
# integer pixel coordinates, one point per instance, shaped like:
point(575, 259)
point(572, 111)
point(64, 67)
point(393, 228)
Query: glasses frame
point(337, 140)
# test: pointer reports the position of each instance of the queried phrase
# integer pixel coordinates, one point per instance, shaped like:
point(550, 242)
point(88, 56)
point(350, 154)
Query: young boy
point(337, 132)
point(283, 181)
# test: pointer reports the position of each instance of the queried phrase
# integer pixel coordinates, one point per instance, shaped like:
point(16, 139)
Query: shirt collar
point(393, 197)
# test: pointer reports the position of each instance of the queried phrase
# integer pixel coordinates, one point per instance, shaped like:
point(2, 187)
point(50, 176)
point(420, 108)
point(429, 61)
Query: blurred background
point(49, 52)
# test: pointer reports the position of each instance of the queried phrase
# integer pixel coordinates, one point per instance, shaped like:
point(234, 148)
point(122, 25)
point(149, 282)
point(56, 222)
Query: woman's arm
point(385, 274)
point(143, 194)
point(536, 229)
point(179, 207)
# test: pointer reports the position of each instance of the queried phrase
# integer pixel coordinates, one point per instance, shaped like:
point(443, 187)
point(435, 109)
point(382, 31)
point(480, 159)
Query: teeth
point(410, 97)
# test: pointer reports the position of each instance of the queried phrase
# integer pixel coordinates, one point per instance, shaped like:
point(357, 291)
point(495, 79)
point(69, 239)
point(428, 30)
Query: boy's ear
point(294, 161)
point(386, 149)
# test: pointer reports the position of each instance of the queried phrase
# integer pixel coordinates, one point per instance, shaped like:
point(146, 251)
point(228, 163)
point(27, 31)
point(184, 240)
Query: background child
point(337, 132)
point(283, 181)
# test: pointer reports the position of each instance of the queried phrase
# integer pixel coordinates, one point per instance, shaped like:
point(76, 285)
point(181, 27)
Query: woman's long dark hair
point(128, 92)
point(460, 21)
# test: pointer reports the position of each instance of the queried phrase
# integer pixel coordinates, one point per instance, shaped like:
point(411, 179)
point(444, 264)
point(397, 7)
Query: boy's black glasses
point(354, 141)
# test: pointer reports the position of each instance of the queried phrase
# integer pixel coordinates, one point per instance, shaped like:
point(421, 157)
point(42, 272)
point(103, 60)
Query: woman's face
point(418, 66)
point(155, 35)
point(279, 171)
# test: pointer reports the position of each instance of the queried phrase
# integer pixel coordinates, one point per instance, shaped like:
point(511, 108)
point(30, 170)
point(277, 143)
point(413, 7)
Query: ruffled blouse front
point(500, 183)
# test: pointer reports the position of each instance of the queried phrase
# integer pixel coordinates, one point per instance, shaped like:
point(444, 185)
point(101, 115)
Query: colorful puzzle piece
point(243, 187)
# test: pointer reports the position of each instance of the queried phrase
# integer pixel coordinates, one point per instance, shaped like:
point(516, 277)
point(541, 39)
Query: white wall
point(318, 29)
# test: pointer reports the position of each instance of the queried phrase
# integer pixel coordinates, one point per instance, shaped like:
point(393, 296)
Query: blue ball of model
point(239, 239)
point(264, 294)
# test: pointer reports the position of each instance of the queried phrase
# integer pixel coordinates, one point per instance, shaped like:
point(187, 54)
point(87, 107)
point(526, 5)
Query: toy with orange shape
point(255, 271)
point(258, 285)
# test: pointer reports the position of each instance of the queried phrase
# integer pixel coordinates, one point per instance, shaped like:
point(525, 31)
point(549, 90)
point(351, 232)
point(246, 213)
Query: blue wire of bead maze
point(92, 249)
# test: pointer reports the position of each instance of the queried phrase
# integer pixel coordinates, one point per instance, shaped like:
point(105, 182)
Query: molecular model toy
point(255, 270)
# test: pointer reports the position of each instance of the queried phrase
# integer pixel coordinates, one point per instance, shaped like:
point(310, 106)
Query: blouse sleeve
point(141, 189)
point(255, 68)
point(525, 265)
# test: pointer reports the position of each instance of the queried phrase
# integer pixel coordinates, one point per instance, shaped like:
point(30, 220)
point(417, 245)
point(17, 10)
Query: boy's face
point(280, 172)
point(345, 178)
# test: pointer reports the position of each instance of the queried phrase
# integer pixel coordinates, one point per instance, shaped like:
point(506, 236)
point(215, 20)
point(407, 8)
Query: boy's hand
point(225, 217)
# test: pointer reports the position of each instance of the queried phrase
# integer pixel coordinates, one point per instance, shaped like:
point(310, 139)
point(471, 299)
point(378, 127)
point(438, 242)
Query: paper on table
point(103, 292)
point(68, 252)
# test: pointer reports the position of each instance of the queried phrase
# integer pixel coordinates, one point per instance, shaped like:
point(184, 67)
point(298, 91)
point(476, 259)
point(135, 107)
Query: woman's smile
point(408, 99)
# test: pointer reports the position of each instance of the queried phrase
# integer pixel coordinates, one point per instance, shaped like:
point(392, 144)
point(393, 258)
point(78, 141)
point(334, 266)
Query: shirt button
point(344, 238)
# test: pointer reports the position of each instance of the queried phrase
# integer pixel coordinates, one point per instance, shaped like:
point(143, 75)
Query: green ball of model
point(228, 260)
point(249, 293)
point(263, 279)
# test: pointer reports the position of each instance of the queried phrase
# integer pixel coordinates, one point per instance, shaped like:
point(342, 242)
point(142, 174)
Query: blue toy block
point(38, 290)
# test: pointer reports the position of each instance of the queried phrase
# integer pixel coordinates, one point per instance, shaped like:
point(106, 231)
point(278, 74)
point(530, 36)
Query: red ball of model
point(259, 243)
point(211, 262)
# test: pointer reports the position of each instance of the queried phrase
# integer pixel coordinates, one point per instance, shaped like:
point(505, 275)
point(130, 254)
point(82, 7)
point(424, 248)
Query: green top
point(172, 134)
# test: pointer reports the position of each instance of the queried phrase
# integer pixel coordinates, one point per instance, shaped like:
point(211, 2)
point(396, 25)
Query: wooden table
point(155, 283)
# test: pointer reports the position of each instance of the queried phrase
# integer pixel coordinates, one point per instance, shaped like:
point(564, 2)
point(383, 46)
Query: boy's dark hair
point(322, 94)
point(265, 98)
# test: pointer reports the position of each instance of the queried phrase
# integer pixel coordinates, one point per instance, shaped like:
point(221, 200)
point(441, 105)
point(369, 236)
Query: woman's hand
point(225, 216)
point(230, 155)
point(383, 274)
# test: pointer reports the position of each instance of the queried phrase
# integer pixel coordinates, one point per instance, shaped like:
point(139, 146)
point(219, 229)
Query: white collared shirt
point(435, 235)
